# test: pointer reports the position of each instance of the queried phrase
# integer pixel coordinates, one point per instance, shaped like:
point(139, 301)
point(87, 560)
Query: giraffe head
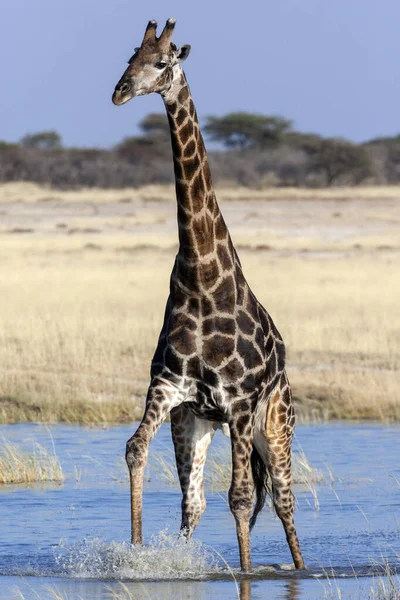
point(151, 68)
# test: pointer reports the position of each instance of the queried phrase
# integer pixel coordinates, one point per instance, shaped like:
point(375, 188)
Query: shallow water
point(73, 537)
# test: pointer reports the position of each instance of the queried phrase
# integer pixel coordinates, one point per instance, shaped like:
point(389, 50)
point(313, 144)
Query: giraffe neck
point(201, 225)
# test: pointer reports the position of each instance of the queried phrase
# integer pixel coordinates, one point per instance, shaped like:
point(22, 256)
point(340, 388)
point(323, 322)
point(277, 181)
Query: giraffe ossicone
point(220, 361)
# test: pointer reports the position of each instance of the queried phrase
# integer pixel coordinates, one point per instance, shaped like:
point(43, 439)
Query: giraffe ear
point(133, 56)
point(182, 53)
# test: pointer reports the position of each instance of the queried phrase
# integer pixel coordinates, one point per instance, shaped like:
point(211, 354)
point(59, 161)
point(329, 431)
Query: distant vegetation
point(256, 151)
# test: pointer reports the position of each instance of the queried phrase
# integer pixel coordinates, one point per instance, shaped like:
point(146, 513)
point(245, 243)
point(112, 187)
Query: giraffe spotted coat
point(220, 360)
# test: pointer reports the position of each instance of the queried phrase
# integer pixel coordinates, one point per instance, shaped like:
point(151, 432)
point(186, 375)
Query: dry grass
point(83, 297)
point(384, 587)
point(18, 466)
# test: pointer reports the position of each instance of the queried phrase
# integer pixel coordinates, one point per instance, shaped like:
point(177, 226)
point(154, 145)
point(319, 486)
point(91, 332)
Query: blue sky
point(330, 65)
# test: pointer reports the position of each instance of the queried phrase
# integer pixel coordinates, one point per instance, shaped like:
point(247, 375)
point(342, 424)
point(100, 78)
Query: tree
point(143, 149)
point(155, 125)
point(241, 130)
point(308, 142)
point(155, 143)
point(45, 140)
point(7, 145)
point(338, 158)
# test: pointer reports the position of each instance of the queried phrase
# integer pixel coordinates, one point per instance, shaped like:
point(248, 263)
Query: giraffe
point(220, 360)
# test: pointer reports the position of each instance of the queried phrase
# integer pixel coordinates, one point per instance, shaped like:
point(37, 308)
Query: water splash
point(165, 557)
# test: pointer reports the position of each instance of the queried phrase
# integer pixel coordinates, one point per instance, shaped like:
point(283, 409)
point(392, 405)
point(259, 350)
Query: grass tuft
point(18, 466)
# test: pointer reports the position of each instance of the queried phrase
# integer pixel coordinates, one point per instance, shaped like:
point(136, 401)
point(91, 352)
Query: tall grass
point(18, 466)
point(384, 587)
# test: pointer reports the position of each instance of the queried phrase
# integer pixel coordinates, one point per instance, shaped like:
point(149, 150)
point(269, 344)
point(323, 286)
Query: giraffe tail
point(261, 484)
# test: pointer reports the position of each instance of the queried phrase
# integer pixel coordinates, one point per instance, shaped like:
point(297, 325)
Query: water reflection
point(292, 590)
point(245, 589)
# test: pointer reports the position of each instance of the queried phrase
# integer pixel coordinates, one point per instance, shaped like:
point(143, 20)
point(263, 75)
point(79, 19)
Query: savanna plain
point(84, 279)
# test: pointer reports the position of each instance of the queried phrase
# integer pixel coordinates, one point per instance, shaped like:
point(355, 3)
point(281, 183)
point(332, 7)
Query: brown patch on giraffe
point(248, 352)
point(269, 345)
point(216, 349)
point(176, 148)
point(280, 354)
point(252, 380)
point(209, 274)
point(181, 187)
point(219, 325)
point(245, 323)
point(178, 171)
point(216, 211)
point(232, 390)
point(180, 117)
point(259, 339)
point(286, 398)
point(241, 423)
point(183, 95)
point(206, 307)
point(189, 149)
point(233, 370)
point(198, 192)
point(178, 430)
point(270, 368)
point(194, 307)
point(202, 153)
point(191, 108)
point(264, 322)
point(224, 295)
point(202, 230)
point(183, 341)
point(172, 361)
point(179, 298)
point(182, 320)
point(184, 216)
point(207, 174)
point(271, 415)
point(242, 405)
point(193, 367)
point(252, 307)
point(187, 242)
point(188, 275)
point(221, 231)
point(224, 257)
point(190, 166)
point(210, 377)
point(159, 354)
point(171, 122)
point(282, 418)
point(186, 132)
point(240, 290)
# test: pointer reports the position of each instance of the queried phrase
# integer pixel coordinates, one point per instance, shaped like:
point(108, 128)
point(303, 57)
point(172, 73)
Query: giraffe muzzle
point(122, 93)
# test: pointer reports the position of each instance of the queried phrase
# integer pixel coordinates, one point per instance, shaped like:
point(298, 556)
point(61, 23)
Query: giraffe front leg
point(161, 398)
point(241, 490)
point(192, 437)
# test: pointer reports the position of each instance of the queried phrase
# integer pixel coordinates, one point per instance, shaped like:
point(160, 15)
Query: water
point(73, 537)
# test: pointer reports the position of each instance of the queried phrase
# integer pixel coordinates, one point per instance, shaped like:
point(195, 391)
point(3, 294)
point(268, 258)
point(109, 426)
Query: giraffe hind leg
point(273, 439)
point(192, 437)
point(241, 426)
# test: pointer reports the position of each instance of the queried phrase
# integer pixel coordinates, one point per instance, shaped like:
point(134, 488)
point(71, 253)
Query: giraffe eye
point(160, 65)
